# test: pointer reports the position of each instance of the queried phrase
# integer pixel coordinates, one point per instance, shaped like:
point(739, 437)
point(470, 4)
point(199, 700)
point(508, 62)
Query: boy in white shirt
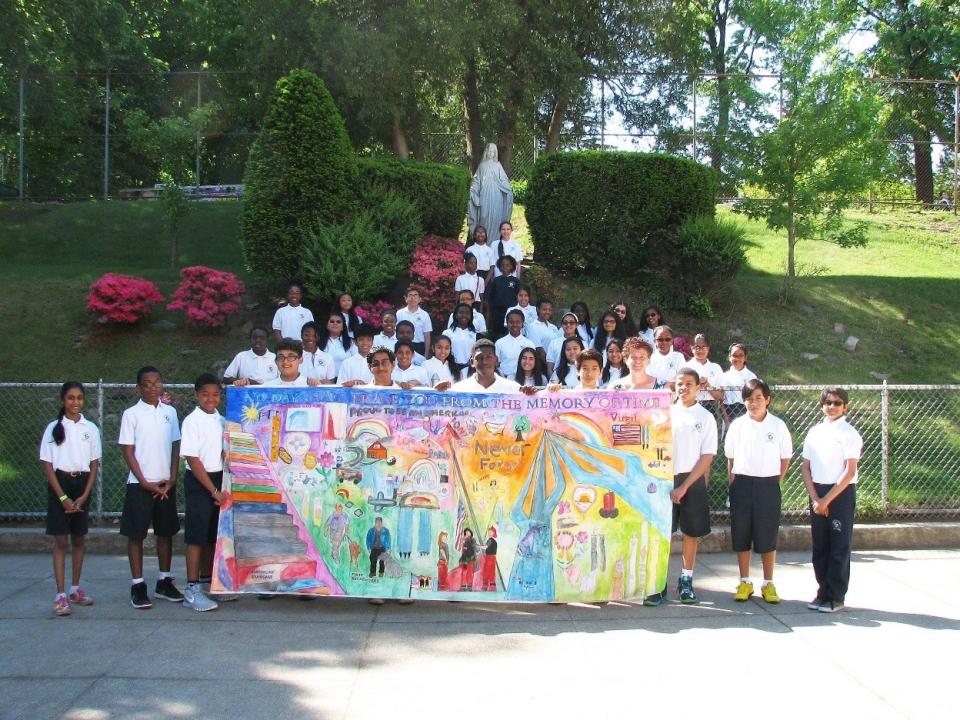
point(257, 365)
point(469, 279)
point(201, 447)
point(406, 374)
point(758, 447)
point(485, 378)
point(542, 331)
point(694, 432)
point(422, 324)
point(355, 370)
point(510, 345)
point(289, 318)
point(289, 360)
point(665, 361)
point(831, 453)
point(317, 364)
point(405, 331)
point(150, 442)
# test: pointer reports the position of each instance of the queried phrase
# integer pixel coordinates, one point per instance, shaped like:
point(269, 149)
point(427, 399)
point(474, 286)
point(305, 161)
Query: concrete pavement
point(891, 653)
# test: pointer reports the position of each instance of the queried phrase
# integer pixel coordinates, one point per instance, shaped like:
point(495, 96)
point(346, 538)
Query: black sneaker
point(167, 590)
point(685, 590)
point(831, 606)
point(138, 596)
point(815, 603)
point(655, 600)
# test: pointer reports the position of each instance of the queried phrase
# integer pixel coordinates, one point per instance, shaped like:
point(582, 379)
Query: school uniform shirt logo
point(166, 419)
point(770, 437)
point(86, 436)
point(699, 427)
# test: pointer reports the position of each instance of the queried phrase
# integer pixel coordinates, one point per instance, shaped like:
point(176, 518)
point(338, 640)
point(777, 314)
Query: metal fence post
point(693, 87)
point(20, 142)
point(884, 447)
point(100, 416)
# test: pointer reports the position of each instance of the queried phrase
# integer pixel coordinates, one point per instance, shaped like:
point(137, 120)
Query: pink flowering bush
point(434, 267)
point(207, 296)
point(682, 345)
point(369, 312)
point(122, 298)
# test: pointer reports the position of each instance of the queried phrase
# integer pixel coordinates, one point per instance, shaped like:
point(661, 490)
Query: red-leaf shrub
point(369, 312)
point(122, 298)
point(207, 295)
point(434, 267)
point(682, 345)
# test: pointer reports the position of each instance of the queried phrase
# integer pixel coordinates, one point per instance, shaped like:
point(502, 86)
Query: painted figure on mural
point(490, 560)
point(443, 560)
point(378, 543)
point(468, 556)
point(335, 528)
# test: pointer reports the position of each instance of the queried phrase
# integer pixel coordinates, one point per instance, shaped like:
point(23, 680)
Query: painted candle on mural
point(385, 493)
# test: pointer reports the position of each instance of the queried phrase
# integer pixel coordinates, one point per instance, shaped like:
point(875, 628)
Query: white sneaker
point(227, 597)
point(197, 599)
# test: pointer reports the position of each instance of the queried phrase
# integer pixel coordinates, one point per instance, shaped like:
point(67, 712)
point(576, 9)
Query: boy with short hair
point(512, 344)
point(289, 318)
point(831, 453)
point(201, 447)
point(405, 333)
point(406, 374)
point(253, 366)
point(289, 360)
point(422, 324)
point(694, 447)
point(355, 370)
point(469, 279)
point(150, 442)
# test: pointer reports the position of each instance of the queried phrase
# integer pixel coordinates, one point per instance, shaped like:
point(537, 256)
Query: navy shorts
point(692, 514)
point(59, 521)
point(141, 510)
point(754, 513)
point(203, 514)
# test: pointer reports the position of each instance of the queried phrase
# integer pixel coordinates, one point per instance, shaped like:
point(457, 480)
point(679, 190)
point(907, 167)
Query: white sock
point(74, 588)
point(59, 595)
point(746, 580)
point(766, 582)
point(136, 581)
point(163, 575)
point(686, 573)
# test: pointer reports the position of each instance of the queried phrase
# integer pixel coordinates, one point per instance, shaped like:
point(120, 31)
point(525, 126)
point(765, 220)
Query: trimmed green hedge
point(593, 212)
point(439, 191)
point(301, 172)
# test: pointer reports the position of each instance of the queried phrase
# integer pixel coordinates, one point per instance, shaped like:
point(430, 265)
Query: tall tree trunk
point(922, 166)
point(471, 114)
point(719, 142)
point(556, 121)
point(791, 243)
point(400, 147)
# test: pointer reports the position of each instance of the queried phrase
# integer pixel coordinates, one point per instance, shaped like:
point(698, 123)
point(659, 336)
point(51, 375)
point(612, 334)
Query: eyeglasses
point(664, 339)
point(701, 347)
point(834, 403)
point(569, 322)
point(378, 363)
point(287, 358)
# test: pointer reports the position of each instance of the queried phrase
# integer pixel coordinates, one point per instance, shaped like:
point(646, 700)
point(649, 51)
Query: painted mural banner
point(558, 496)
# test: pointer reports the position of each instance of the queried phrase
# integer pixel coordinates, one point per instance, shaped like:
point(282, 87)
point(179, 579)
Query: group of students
point(757, 444)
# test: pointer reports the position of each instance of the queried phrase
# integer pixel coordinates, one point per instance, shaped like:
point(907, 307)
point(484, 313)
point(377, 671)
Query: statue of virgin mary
point(491, 197)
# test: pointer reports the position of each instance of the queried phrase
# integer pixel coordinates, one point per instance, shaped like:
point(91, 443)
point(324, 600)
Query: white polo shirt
point(541, 333)
point(318, 365)
point(474, 283)
point(735, 379)
point(828, 446)
point(461, 343)
point(479, 321)
point(500, 385)
point(151, 431)
point(483, 255)
point(203, 439)
point(335, 351)
point(509, 349)
point(420, 319)
point(247, 365)
point(758, 447)
point(438, 372)
point(381, 340)
point(300, 381)
point(414, 373)
point(529, 314)
point(354, 368)
point(664, 367)
point(80, 446)
point(709, 370)
point(694, 434)
point(289, 320)
point(615, 375)
point(553, 351)
point(511, 248)
point(571, 381)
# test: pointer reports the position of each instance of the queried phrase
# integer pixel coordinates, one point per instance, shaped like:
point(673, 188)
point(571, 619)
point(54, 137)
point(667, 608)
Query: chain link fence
point(910, 467)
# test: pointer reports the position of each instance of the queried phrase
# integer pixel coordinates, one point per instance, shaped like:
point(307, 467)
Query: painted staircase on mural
point(269, 550)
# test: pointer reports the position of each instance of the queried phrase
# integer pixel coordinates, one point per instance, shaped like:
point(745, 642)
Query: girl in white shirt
point(650, 319)
point(615, 368)
point(609, 328)
point(463, 334)
point(566, 372)
point(584, 328)
point(334, 340)
point(70, 451)
point(350, 318)
point(530, 369)
point(442, 369)
point(523, 305)
point(733, 380)
point(481, 250)
point(505, 246)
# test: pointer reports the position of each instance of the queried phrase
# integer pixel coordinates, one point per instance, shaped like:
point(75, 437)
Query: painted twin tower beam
point(441, 495)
